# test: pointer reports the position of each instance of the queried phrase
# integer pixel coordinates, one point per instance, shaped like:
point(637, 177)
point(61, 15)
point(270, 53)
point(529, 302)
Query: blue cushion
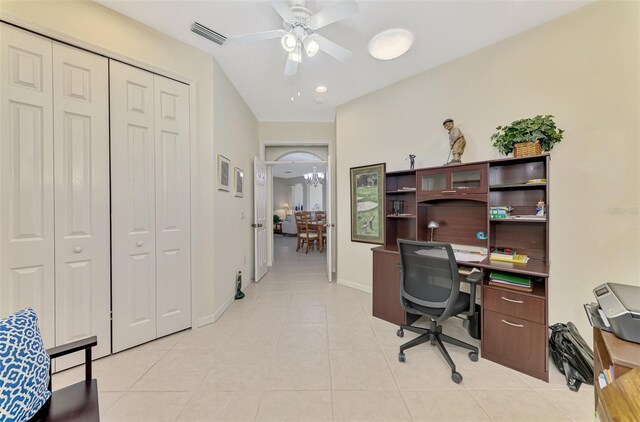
point(24, 367)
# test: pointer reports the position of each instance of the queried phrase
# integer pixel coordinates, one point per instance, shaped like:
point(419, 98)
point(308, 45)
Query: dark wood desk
point(619, 401)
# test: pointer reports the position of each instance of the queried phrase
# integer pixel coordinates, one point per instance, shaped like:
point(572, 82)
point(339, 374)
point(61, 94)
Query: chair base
point(434, 335)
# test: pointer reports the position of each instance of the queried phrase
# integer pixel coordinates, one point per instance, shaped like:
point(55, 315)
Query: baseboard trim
point(357, 286)
point(211, 318)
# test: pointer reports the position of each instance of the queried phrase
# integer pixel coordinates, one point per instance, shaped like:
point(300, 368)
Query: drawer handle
point(512, 324)
point(448, 191)
point(139, 243)
point(511, 300)
point(77, 249)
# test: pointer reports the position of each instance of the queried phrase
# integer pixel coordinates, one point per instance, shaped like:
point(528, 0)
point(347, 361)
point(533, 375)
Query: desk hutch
point(458, 197)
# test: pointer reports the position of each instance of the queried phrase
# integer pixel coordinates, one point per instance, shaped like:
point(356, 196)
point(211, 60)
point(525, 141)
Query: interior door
point(26, 177)
point(173, 271)
point(81, 174)
point(260, 217)
point(329, 226)
point(132, 206)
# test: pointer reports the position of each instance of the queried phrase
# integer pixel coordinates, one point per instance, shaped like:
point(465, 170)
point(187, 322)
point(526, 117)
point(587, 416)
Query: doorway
point(289, 191)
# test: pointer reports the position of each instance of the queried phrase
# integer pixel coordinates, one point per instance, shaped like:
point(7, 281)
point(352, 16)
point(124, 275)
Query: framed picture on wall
point(224, 176)
point(367, 203)
point(239, 180)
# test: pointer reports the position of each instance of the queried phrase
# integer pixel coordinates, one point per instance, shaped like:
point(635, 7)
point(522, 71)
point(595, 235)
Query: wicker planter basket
point(524, 149)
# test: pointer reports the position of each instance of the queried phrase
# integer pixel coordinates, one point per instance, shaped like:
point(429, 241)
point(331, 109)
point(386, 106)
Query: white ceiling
point(444, 30)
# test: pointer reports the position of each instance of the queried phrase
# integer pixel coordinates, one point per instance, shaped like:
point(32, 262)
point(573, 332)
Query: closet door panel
point(132, 206)
point(26, 177)
point(81, 169)
point(172, 205)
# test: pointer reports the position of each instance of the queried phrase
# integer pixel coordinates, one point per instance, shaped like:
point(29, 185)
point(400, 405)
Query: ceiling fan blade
point(283, 9)
point(259, 36)
point(333, 13)
point(291, 66)
point(334, 50)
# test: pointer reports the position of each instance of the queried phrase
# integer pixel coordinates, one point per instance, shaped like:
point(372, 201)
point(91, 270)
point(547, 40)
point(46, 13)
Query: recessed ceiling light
point(390, 44)
point(320, 89)
point(287, 172)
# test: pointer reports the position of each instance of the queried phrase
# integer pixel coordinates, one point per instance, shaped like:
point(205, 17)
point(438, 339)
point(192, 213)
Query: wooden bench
point(77, 402)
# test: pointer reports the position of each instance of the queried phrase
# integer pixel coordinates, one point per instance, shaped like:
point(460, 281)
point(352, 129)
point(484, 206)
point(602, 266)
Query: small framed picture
point(224, 179)
point(239, 179)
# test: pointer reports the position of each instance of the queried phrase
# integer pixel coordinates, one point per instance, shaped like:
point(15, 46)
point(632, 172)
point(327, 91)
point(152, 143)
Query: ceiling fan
point(298, 33)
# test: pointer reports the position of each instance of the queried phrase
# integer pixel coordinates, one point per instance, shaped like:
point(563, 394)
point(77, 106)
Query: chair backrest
point(321, 216)
point(429, 275)
point(302, 222)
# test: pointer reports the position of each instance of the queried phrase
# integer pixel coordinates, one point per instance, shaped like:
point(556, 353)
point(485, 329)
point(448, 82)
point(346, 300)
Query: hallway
point(299, 348)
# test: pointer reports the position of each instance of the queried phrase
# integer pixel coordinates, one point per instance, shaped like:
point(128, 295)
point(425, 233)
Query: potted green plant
point(527, 136)
point(276, 219)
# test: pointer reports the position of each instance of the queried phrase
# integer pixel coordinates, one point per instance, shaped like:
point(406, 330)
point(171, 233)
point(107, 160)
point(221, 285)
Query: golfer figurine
point(456, 141)
point(412, 159)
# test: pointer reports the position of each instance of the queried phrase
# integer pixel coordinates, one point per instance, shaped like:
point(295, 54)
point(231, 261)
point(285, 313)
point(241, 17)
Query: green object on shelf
point(512, 278)
point(539, 128)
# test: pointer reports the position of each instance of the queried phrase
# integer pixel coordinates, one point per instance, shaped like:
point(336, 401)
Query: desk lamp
point(285, 206)
point(433, 225)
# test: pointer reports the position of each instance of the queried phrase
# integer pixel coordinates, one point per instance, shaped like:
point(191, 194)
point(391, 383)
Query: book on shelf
point(510, 286)
point(511, 281)
point(537, 181)
point(468, 270)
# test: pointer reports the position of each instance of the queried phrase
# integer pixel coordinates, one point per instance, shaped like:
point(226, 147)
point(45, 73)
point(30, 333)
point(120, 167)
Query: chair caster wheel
point(473, 356)
point(456, 377)
point(400, 333)
point(402, 357)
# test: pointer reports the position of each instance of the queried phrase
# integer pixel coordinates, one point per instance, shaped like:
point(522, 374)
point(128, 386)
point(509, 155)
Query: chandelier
point(314, 179)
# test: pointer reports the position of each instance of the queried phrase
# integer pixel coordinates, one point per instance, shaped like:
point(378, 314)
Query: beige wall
point(297, 132)
point(584, 69)
point(222, 124)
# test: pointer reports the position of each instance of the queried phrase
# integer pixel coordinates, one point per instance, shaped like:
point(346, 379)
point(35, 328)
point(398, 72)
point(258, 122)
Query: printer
point(620, 304)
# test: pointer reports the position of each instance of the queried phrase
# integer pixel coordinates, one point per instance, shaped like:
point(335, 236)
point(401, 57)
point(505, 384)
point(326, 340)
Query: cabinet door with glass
point(452, 181)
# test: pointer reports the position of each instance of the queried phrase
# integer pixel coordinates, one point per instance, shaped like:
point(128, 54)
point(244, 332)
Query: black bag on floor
point(571, 354)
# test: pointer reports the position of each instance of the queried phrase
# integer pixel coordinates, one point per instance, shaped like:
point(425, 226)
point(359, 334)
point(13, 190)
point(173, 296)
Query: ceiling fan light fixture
point(311, 46)
point(390, 44)
point(296, 54)
point(289, 42)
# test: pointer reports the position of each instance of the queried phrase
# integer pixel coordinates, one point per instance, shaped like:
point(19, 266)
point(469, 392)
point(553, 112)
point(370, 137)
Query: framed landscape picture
point(239, 179)
point(224, 179)
point(367, 203)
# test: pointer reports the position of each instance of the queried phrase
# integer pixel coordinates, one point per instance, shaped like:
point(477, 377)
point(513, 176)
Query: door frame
point(301, 144)
point(194, 182)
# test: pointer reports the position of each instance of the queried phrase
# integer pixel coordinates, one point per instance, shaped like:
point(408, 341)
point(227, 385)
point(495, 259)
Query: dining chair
point(305, 235)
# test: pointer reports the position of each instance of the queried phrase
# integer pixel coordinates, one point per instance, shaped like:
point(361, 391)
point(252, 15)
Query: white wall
point(222, 124)
point(583, 68)
point(281, 195)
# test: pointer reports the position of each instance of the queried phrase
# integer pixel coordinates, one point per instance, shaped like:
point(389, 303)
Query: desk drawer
point(514, 304)
point(514, 342)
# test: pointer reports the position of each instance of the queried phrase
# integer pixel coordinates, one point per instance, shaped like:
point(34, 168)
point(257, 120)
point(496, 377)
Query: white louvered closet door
point(132, 206)
point(173, 275)
point(81, 174)
point(26, 177)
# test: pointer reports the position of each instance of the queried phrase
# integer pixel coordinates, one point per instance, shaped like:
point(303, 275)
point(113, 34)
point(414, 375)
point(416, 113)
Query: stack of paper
point(606, 377)
point(511, 281)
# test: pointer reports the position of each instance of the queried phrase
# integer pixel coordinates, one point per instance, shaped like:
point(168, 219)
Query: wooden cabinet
point(459, 198)
point(619, 400)
point(445, 182)
point(386, 288)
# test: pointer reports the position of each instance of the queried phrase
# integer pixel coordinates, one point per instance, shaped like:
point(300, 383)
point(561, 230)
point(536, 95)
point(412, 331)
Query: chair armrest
point(473, 279)
point(74, 346)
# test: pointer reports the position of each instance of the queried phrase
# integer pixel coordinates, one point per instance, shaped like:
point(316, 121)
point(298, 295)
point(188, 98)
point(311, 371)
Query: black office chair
point(430, 286)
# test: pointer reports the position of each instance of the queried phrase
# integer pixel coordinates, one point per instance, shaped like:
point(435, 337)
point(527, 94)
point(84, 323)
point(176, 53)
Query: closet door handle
point(78, 249)
point(511, 300)
point(139, 243)
point(512, 324)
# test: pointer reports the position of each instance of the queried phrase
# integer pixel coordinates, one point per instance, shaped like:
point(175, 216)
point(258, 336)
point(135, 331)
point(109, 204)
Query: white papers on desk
point(469, 256)
point(460, 255)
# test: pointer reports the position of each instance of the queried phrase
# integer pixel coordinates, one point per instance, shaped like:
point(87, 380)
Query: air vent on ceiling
point(209, 34)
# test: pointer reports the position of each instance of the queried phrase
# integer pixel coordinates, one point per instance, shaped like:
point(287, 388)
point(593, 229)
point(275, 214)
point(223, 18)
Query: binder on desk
point(511, 281)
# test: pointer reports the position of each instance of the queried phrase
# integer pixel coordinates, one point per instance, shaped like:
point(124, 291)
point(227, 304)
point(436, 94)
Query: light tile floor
point(298, 348)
